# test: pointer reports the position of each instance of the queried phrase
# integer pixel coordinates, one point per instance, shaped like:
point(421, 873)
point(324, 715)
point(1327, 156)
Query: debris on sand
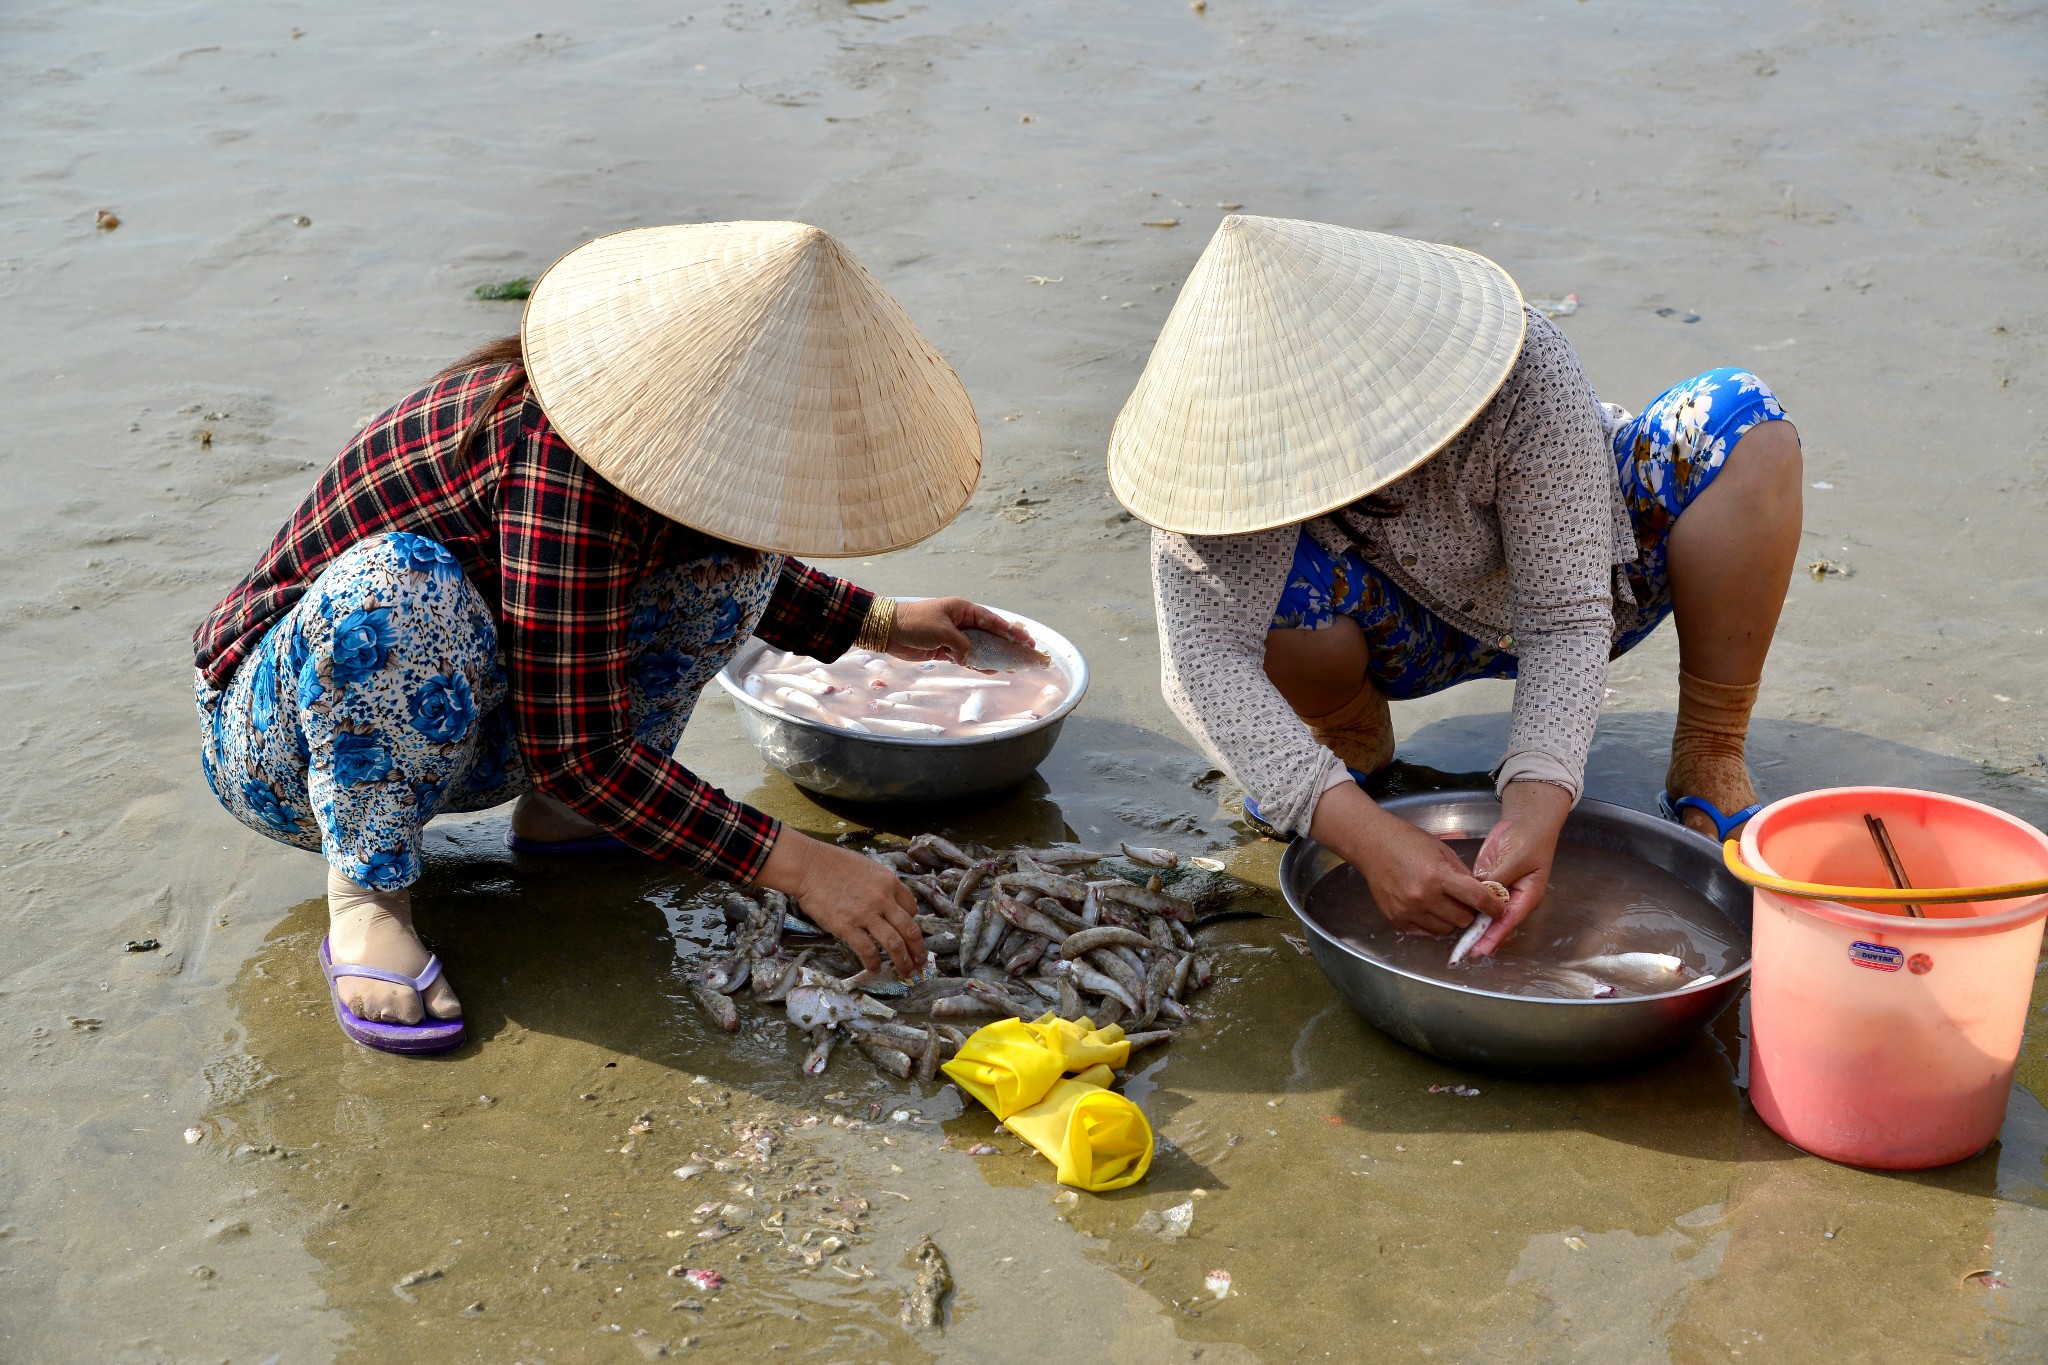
point(106, 220)
point(505, 291)
point(141, 945)
point(1169, 1226)
point(924, 1306)
point(1469, 1092)
point(703, 1281)
point(1828, 568)
point(413, 1280)
point(1218, 1283)
point(1557, 308)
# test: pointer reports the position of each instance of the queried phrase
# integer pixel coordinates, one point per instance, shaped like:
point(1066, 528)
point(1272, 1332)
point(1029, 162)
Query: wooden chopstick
point(1891, 858)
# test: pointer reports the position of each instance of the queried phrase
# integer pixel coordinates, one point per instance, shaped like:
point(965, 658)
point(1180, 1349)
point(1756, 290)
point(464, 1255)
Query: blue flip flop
point(1258, 821)
point(1724, 825)
point(596, 843)
point(429, 1035)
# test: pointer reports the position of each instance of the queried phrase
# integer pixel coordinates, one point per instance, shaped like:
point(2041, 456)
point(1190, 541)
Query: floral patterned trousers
point(1665, 457)
point(380, 699)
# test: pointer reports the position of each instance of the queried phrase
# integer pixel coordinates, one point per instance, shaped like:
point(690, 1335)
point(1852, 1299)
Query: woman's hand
point(931, 629)
point(1417, 881)
point(1519, 852)
point(853, 898)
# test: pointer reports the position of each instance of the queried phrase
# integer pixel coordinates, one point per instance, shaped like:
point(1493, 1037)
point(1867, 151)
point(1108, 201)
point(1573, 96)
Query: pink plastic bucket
point(1877, 1039)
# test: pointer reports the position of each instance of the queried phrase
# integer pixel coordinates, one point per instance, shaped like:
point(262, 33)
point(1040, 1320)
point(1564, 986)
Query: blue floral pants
point(380, 699)
point(1665, 456)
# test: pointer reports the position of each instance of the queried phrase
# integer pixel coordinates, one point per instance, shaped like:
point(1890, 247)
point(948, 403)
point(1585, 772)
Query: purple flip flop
point(434, 1035)
point(596, 843)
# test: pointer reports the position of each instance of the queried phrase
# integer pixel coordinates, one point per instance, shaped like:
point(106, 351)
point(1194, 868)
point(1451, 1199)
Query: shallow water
point(1600, 904)
point(1851, 200)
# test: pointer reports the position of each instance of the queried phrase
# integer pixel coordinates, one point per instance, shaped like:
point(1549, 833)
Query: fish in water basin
point(1476, 930)
point(990, 653)
point(1650, 972)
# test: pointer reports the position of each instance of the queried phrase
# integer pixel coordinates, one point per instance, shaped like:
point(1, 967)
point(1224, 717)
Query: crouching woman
point(515, 582)
point(1372, 473)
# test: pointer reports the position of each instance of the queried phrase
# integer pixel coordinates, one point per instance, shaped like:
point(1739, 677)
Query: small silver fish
point(1480, 924)
point(987, 653)
point(1473, 933)
point(1655, 972)
point(1151, 857)
point(718, 1005)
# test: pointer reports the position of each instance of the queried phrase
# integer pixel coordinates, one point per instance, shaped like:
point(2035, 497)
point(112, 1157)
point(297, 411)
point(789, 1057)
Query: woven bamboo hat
point(1305, 366)
point(752, 381)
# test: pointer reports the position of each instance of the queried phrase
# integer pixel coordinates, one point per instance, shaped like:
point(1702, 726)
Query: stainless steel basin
point(904, 768)
point(1519, 1033)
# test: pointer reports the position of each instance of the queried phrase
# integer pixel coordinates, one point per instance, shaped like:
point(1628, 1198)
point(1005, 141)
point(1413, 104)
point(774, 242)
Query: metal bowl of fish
point(1642, 938)
point(868, 727)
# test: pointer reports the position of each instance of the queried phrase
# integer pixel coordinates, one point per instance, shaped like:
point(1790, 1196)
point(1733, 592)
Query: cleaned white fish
point(1473, 933)
point(1583, 985)
point(802, 683)
point(1651, 971)
point(906, 727)
point(861, 685)
point(997, 727)
point(800, 701)
point(962, 684)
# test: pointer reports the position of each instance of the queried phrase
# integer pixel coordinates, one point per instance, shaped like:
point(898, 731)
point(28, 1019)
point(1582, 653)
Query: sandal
point(429, 1035)
point(1724, 825)
point(1258, 822)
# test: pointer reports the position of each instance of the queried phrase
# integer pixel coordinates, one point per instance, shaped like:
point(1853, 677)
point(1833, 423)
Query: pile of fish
point(1015, 933)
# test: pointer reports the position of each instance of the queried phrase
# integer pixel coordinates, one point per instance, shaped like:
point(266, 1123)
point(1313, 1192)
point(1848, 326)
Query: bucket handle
point(1731, 854)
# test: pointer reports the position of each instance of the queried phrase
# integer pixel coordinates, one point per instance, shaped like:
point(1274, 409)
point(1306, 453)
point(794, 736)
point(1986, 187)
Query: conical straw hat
point(752, 381)
point(1305, 366)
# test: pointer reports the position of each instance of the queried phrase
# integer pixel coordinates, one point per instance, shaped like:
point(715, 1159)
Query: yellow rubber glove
point(1079, 1043)
point(1098, 1075)
point(1006, 1067)
point(1096, 1138)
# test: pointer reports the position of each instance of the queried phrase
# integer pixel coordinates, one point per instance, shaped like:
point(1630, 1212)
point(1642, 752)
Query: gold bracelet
point(877, 624)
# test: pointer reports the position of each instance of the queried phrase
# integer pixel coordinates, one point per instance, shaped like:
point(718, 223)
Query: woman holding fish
point(515, 582)
point(1372, 473)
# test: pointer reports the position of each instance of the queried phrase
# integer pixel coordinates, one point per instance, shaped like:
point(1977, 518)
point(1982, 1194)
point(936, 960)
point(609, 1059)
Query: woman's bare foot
point(544, 820)
point(374, 929)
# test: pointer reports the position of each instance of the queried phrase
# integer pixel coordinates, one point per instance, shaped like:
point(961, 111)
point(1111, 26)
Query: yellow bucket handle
point(1731, 854)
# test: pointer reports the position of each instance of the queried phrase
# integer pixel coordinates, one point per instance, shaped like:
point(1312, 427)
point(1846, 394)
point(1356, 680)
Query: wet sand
point(1850, 199)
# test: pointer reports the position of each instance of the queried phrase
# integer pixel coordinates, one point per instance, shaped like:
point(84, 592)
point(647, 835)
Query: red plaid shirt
point(555, 551)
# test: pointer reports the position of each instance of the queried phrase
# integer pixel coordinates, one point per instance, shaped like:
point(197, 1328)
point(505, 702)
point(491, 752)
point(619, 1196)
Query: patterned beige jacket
point(1513, 533)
